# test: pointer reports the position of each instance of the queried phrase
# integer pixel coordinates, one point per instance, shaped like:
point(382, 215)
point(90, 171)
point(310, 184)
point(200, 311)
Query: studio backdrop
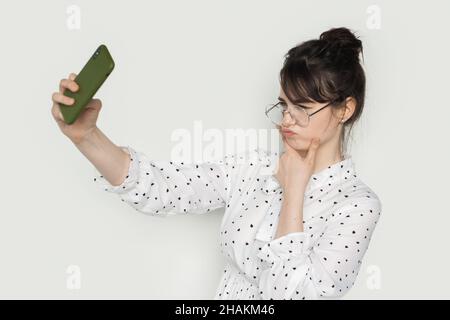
point(195, 76)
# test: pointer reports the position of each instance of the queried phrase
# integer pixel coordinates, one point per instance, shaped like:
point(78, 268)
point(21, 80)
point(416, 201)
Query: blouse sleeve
point(162, 188)
point(298, 269)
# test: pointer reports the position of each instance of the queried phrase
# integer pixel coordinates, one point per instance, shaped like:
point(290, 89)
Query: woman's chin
point(297, 142)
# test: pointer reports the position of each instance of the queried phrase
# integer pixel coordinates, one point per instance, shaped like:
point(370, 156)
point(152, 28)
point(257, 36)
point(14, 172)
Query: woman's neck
point(326, 155)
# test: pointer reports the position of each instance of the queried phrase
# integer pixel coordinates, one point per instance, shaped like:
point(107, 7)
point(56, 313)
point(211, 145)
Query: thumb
point(312, 149)
point(95, 104)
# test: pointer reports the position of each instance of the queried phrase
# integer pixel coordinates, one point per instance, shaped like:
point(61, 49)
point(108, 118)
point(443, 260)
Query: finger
point(311, 155)
point(61, 98)
point(57, 114)
point(68, 84)
point(72, 76)
point(60, 115)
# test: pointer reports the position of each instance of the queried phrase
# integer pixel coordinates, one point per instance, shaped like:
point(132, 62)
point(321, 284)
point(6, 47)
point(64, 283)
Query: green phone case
point(89, 80)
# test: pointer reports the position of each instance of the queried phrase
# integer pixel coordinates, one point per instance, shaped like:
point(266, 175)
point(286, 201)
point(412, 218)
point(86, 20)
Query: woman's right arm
point(150, 186)
point(110, 160)
point(154, 187)
point(163, 187)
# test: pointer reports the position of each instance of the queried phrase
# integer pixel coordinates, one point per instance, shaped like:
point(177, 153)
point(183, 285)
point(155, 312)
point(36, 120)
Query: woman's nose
point(287, 119)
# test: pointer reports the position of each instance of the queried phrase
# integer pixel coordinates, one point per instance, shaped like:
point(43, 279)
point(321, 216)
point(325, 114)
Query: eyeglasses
point(275, 113)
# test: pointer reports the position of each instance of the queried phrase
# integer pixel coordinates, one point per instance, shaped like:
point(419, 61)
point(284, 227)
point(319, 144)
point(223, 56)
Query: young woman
point(298, 231)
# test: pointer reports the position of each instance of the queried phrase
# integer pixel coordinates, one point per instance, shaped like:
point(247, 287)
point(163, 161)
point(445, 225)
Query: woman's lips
point(287, 133)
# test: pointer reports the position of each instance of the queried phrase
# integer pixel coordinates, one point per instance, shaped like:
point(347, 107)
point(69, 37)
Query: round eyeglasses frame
point(309, 115)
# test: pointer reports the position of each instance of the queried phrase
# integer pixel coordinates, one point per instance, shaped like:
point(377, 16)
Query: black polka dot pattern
point(340, 213)
point(161, 188)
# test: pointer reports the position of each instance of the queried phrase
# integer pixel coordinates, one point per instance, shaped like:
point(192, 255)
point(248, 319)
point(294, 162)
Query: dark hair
point(327, 69)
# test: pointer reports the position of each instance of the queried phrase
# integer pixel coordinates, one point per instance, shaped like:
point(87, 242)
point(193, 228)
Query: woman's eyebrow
point(295, 102)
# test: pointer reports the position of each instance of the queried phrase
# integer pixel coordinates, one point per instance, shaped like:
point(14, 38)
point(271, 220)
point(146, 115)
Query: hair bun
point(343, 43)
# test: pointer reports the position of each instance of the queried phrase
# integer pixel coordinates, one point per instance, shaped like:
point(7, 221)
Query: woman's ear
point(347, 109)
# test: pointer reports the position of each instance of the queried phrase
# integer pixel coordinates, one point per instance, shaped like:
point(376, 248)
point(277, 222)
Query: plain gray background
point(218, 62)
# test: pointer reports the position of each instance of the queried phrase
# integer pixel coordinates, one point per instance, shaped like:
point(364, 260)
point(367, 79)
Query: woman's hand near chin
point(294, 171)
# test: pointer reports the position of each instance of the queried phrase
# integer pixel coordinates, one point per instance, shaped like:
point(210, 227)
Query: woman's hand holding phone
point(76, 112)
point(86, 121)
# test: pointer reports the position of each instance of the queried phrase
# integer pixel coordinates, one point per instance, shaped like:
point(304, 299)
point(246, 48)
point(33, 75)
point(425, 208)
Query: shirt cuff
point(289, 246)
point(130, 179)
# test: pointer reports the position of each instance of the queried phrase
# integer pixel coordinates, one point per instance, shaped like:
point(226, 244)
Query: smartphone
point(89, 80)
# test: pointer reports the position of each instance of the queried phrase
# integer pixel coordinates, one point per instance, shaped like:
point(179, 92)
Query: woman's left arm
point(291, 213)
point(293, 174)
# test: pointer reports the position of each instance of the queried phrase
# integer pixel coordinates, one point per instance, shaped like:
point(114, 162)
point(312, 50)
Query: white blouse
point(340, 213)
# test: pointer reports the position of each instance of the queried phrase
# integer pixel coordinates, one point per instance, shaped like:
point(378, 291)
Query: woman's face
point(324, 124)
